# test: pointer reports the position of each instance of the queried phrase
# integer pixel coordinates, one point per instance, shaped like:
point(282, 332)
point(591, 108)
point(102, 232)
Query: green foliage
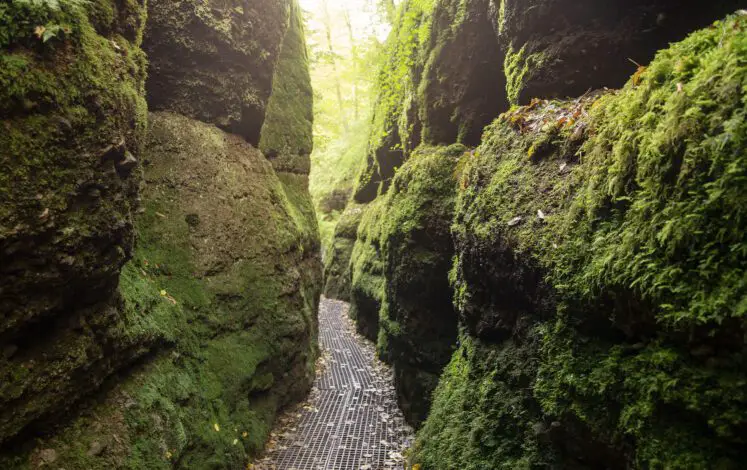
point(343, 52)
point(30, 21)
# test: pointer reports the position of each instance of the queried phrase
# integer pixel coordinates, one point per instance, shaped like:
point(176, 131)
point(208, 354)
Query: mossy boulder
point(227, 286)
point(214, 61)
point(417, 321)
point(73, 120)
point(562, 48)
point(600, 248)
point(337, 274)
point(286, 137)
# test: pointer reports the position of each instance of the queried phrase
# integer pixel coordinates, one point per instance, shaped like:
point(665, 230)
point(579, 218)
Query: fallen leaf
point(514, 221)
point(216, 427)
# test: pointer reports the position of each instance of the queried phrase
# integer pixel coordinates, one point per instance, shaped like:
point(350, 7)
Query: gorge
point(536, 215)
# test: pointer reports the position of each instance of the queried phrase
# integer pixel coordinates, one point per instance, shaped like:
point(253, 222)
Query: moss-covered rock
point(441, 83)
point(337, 274)
point(462, 85)
point(286, 137)
point(73, 118)
point(228, 285)
point(367, 272)
point(417, 322)
point(600, 249)
point(561, 48)
point(400, 294)
point(396, 127)
point(214, 61)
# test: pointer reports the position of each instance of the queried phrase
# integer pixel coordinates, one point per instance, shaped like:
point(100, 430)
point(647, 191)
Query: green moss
point(637, 314)
point(66, 73)
point(226, 308)
point(71, 84)
point(400, 295)
point(519, 66)
point(367, 275)
point(286, 136)
point(337, 273)
point(394, 124)
point(482, 416)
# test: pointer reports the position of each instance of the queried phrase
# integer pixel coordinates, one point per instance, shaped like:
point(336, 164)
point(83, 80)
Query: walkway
point(351, 420)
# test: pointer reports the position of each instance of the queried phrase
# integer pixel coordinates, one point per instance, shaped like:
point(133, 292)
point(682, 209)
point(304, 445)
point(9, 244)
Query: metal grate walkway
point(351, 420)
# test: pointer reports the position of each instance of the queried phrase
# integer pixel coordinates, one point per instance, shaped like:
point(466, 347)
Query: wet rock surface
point(351, 419)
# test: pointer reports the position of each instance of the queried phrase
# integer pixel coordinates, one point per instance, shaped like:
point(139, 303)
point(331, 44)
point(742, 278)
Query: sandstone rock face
point(286, 137)
point(417, 321)
point(396, 125)
point(561, 48)
point(214, 61)
point(452, 87)
point(73, 120)
point(367, 273)
point(400, 261)
point(462, 89)
point(337, 264)
point(603, 324)
point(210, 328)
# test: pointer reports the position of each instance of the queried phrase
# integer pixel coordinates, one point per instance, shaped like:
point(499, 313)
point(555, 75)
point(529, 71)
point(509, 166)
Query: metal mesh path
point(351, 420)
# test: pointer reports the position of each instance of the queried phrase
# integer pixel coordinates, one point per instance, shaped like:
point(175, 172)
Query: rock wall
point(442, 82)
point(453, 66)
point(400, 293)
point(337, 264)
point(462, 85)
point(73, 122)
point(211, 327)
point(214, 61)
point(597, 271)
point(598, 277)
point(560, 48)
point(367, 273)
point(417, 321)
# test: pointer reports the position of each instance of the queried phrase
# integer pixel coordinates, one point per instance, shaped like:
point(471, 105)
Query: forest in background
point(345, 41)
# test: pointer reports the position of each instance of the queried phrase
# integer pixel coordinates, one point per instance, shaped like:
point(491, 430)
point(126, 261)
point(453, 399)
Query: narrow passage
point(351, 420)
